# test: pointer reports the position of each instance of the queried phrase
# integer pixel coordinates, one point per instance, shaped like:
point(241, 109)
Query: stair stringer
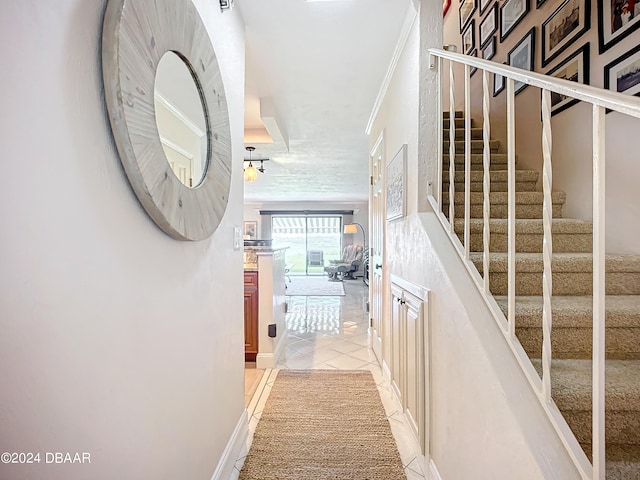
point(544, 435)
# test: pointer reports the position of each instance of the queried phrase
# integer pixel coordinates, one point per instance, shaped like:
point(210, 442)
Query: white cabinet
point(409, 354)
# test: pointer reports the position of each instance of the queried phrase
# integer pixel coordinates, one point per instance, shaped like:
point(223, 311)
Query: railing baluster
point(598, 293)
point(547, 246)
point(452, 147)
point(440, 131)
point(486, 180)
point(467, 161)
point(511, 215)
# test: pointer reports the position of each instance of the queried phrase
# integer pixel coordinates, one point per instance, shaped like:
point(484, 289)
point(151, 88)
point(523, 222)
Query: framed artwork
point(483, 5)
point(498, 84)
point(523, 56)
point(616, 20)
point(396, 173)
point(488, 25)
point(574, 68)
point(467, 9)
point(469, 38)
point(539, 3)
point(445, 7)
point(511, 13)
point(490, 49)
point(623, 74)
point(570, 20)
point(250, 230)
point(473, 70)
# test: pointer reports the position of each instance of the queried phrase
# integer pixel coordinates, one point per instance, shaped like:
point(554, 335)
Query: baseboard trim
point(266, 361)
point(433, 471)
point(225, 468)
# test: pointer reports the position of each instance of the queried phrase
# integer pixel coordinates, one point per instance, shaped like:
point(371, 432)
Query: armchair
point(347, 265)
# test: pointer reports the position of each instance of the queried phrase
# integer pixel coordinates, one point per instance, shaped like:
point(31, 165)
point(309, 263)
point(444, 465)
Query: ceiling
point(313, 72)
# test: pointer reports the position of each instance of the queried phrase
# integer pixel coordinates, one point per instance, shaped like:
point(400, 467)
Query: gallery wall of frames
point(594, 42)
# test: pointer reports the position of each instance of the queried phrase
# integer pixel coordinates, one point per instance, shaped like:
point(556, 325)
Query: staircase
point(571, 303)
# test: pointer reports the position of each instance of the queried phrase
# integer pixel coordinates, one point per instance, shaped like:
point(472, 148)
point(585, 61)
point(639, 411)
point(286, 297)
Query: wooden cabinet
point(409, 359)
point(250, 316)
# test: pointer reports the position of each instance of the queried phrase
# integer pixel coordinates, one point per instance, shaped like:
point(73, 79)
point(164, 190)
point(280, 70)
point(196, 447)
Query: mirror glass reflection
point(180, 119)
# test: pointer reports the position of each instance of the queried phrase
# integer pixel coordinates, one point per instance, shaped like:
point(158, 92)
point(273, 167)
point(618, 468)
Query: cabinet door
point(250, 318)
point(415, 364)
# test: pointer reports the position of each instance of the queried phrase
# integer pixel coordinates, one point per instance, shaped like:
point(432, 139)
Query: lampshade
point(250, 173)
point(350, 228)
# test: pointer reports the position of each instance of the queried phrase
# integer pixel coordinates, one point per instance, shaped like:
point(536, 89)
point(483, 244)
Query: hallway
point(331, 332)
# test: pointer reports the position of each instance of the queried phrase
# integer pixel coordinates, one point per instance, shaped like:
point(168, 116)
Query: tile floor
point(331, 332)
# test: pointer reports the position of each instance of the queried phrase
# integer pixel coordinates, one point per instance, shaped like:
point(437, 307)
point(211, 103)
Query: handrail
point(618, 102)
point(601, 100)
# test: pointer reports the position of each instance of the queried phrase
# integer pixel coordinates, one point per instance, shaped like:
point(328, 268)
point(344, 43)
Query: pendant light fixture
point(250, 173)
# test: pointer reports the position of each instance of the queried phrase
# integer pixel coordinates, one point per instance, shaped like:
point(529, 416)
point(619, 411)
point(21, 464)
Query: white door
point(376, 243)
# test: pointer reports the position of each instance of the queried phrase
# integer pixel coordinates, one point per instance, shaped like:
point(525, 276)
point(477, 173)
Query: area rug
point(307, 286)
point(321, 425)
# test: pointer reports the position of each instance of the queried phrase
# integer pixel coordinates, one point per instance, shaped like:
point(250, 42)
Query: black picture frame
point(523, 55)
point(473, 70)
point(489, 49)
point(509, 20)
point(469, 7)
point(471, 31)
point(498, 84)
point(624, 61)
point(484, 4)
point(608, 38)
point(563, 27)
point(539, 3)
point(575, 68)
point(488, 26)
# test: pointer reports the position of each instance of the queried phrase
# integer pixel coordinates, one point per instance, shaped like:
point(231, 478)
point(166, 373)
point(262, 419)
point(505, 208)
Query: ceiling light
point(251, 172)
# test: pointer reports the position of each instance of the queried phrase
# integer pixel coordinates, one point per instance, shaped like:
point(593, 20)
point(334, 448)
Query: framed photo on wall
point(396, 194)
point(483, 5)
point(498, 84)
point(467, 9)
point(250, 230)
point(511, 13)
point(469, 38)
point(574, 68)
point(570, 20)
point(522, 55)
point(616, 20)
point(623, 74)
point(490, 49)
point(488, 25)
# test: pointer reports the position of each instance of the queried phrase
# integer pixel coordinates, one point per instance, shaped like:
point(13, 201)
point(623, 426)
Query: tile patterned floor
point(332, 333)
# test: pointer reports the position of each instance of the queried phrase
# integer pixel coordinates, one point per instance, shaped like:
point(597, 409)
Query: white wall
point(116, 340)
point(571, 128)
point(485, 420)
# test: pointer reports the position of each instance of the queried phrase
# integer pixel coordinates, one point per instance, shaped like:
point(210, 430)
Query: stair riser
point(477, 146)
point(501, 211)
point(532, 243)
point(621, 343)
point(474, 166)
point(565, 283)
point(494, 187)
point(621, 427)
point(459, 123)
point(476, 133)
point(456, 113)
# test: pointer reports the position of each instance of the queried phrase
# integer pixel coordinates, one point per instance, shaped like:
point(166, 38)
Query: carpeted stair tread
point(476, 133)
point(575, 311)
point(528, 225)
point(459, 123)
point(477, 146)
point(561, 262)
point(571, 384)
point(502, 198)
point(456, 113)
point(477, 176)
point(498, 161)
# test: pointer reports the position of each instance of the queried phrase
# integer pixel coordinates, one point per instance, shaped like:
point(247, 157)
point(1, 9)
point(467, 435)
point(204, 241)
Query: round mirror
point(181, 119)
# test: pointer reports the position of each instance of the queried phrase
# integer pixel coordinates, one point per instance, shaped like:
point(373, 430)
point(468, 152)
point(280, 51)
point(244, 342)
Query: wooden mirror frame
point(134, 39)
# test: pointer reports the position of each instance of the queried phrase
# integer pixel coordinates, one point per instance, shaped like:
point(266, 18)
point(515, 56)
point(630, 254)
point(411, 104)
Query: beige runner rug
point(320, 425)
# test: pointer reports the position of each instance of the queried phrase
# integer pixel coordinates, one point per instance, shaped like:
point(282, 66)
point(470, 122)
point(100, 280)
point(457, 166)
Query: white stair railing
point(600, 100)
